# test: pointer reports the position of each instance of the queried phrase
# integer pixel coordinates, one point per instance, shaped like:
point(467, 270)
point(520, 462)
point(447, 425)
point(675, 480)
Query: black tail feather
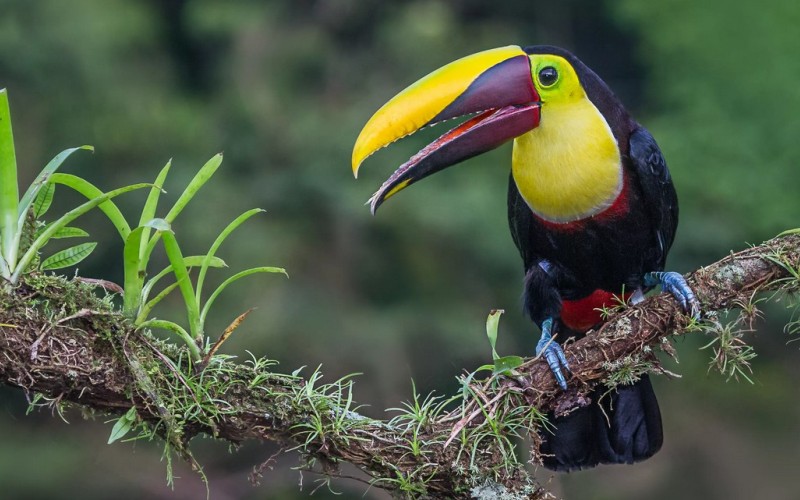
point(623, 426)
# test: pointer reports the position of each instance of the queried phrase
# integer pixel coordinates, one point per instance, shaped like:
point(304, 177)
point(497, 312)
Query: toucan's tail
point(623, 426)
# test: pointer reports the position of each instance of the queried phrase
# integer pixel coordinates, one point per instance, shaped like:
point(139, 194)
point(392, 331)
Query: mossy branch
point(59, 339)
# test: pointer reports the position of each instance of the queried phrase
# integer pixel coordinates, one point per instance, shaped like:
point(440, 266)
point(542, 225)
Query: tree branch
point(58, 338)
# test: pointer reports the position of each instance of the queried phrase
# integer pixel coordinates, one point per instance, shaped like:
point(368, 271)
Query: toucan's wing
point(658, 193)
point(520, 221)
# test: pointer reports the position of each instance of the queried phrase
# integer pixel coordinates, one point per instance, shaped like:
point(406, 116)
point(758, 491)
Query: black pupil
point(548, 76)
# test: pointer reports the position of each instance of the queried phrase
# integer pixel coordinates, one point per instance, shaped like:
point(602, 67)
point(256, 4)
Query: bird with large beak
point(591, 207)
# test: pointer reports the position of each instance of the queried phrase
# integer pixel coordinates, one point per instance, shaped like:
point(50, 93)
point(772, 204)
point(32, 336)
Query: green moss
point(627, 370)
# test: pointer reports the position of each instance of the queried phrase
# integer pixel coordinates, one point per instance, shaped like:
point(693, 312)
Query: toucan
point(591, 207)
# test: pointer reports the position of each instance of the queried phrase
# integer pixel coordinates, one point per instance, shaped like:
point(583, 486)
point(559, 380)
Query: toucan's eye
point(548, 76)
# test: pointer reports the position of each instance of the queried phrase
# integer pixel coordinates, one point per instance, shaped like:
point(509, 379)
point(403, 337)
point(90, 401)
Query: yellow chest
point(569, 167)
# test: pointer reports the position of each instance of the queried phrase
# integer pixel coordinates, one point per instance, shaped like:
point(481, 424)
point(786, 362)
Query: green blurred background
point(283, 87)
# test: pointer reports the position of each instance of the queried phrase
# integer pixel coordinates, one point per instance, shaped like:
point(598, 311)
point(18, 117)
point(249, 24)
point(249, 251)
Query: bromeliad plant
point(139, 246)
point(17, 255)
point(140, 242)
point(21, 217)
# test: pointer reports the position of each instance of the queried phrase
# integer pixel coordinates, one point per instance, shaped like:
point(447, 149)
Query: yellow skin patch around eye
point(569, 167)
point(417, 105)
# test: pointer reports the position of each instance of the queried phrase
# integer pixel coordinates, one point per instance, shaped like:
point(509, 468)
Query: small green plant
point(139, 245)
point(418, 416)
point(196, 309)
point(141, 241)
point(502, 365)
point(123, 425)
point(629, 369)
point(15, 258)
point(732, 355)
point(20, 216)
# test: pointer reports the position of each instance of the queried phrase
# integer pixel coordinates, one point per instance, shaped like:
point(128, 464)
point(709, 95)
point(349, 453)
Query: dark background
point(283, 88)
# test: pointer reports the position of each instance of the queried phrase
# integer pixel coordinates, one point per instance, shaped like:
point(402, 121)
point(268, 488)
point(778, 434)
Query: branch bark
point(59, 339)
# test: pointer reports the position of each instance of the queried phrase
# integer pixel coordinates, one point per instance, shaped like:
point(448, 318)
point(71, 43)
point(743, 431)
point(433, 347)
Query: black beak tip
point(374, 202)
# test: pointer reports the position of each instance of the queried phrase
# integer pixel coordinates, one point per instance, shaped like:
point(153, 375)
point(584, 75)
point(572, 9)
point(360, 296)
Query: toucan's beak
point(497, 84)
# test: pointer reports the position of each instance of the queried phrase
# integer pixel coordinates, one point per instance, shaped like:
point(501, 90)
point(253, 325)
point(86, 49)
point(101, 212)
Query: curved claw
point(553, 353)
point(675, 284)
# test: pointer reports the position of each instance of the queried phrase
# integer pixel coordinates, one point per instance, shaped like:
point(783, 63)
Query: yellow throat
point(569, 167)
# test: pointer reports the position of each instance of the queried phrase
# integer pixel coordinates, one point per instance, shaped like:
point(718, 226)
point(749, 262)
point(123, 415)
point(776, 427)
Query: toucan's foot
point(675, 284)
point(553, 353)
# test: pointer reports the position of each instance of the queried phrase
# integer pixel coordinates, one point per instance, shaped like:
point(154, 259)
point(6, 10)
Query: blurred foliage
point(283, 87)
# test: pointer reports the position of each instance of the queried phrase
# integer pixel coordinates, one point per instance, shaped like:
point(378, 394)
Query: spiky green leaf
point(149, 212)
point(91, 192)
point(236, 277)
point(190, 261)
point(158, 225)
point(492, 323)
point(507, 364)
point(198, 181)
point(215, 246)
point(43, 200)
point(67, 257)
point(44, 176)
point(69, 232)
point(9, 190)
point(198, 260)
point(175, 257)
point(134, 278)
point(65, 219)
point(123, 425)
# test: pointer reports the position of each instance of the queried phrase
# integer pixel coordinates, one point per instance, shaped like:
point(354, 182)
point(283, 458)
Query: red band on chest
point(582, 314)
